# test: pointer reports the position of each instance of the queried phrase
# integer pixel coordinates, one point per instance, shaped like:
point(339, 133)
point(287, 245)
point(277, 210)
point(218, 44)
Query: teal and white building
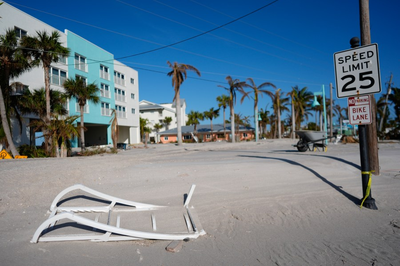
point(118, 83)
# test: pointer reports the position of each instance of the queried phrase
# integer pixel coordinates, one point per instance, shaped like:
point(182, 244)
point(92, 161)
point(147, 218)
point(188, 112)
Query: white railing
point(85, 108)
point(119, 97)
point(104, 75)
point(105, 111)
point(80, 66)
point(119, 80)
point(105, 93)
point(121, 114)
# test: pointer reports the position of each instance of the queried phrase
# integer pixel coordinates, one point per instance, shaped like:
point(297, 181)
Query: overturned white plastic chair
point(110, 229)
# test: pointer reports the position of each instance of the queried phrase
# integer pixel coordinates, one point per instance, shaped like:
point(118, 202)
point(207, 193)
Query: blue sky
point(288, 43)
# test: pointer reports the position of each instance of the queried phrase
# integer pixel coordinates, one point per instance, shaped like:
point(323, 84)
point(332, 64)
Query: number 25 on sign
point(357, 71)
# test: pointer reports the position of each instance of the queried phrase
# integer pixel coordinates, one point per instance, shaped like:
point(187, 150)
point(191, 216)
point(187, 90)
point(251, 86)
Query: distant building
point(117, 82)
point(204, 134)
point(156, 114)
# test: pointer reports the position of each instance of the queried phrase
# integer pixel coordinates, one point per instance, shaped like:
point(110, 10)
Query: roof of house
point(218, 128)
point(146, 105)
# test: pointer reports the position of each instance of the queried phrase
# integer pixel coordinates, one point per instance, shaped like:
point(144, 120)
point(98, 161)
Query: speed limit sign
point(357, 71)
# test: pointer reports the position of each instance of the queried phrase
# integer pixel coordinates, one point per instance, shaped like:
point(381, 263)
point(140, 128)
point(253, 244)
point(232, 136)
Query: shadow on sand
point(319, 155)
point(337, 188)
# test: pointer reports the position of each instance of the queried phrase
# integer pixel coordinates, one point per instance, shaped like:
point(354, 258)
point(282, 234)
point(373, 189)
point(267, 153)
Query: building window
point(57, 76)
point(132, 96)
point(83, 78)
point(244, 135)
point(120, 95)
point(104, 72)
point(62, 59)
point(105, 109)
point(133, 111)
point(121, 112)
point(208, 136)
point(80, 62)
point(19, 88)
point(119, 78)
point(187, 137)
point(132, 81)
point(85, 108)
point(20, 32)
point(166, 138)
point(104, 90)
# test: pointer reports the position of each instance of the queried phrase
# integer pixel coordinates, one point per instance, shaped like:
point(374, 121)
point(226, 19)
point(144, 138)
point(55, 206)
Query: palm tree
point(264, 120)
point(257, 90)
point(382, 114)
point(35, 102)
point(83, 93)
point(114, 128)
point(339, 111)
point(234, 85)
point(223, 101)
point(279, 105)
point(60, 130)
point(302, 99)
point(142, 124)
point(319, 109)
point(147, 131)
point(394, 98)
point(211, 114)
point(46, 49)
point(194, 118)
point(241, 120)
point(292, 94)
point(13, 62)
point(167, 122)
point(157, 128)
point(178, 74)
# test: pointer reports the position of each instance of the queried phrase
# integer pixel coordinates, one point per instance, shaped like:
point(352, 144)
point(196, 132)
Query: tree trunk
point(224, 126)
point(48, 110)
point(146, 139)
point(82, 129)
point(256, 122)
point(321, 124)
point(178, 115)
point(279, 123)
point(293, 120)
point(6, 126)
point(232, 124)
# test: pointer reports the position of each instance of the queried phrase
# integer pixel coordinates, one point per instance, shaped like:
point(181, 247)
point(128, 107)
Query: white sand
point(260, 204)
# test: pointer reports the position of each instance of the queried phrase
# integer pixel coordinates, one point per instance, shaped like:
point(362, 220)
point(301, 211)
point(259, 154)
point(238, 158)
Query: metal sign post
point(357, 73)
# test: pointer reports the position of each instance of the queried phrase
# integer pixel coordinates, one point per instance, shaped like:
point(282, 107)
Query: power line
point(239, 33)
point(261, 29)
point(126, 35)
point(198, 35)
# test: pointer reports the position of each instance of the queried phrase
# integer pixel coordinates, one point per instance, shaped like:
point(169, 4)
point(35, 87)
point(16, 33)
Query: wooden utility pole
point(386, 100)
point(330, 117)
point(372, 137)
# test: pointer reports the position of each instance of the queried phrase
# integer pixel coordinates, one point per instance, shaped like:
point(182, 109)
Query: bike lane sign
point(359, 110)
point(357, 71)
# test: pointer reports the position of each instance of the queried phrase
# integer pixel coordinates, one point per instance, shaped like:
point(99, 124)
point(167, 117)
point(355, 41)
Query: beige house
point(156, 114)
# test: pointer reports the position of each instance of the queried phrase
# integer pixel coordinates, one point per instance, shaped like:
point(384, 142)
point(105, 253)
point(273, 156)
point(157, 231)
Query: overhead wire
point(165, 46)
point(140, 39)
point(238, 33)
point(261, 29)
point(198, 35)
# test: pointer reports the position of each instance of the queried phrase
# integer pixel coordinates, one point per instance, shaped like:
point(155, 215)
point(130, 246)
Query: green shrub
point(31, 151)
